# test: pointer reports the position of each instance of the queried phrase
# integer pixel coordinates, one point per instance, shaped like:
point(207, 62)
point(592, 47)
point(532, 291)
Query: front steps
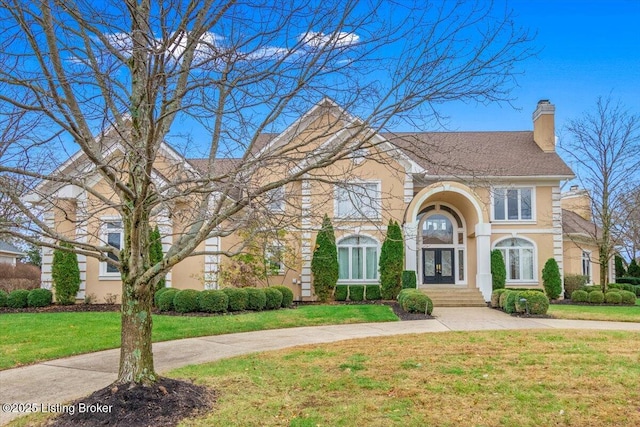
point(453, 296)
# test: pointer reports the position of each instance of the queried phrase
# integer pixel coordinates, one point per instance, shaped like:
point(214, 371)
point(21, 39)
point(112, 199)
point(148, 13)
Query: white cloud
point(335, 40)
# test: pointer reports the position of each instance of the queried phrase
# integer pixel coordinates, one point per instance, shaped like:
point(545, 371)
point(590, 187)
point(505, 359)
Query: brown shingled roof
point(512, 153)
point(572, 223)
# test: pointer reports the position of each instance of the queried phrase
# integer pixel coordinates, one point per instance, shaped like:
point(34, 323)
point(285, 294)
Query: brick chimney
point(544, 132)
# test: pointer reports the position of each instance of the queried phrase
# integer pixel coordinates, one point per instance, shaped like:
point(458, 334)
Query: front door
point(437, 266)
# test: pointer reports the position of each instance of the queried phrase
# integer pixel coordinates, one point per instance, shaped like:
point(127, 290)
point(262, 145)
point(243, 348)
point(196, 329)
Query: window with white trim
point(276, 199)
point(358, 259)
point(113, 235)
point(358, 200)
point(513, 204)
point(274, 258)
point(586, 264)
point(519, 258)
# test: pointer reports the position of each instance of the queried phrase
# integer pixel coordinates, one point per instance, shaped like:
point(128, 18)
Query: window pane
point(514, 264)
point(461, 264)
point(372, 263)
point(429, 263)
point(356, 263)
point(437, 229)
point(525, 203)
point(113, 239)
point(527, 264)
point(498, 203)
point(343, 263)
point(512, 204)
point(447, 263)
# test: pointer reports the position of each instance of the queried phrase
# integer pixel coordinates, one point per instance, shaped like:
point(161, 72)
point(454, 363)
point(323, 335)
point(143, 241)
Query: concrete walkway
point(63, 380)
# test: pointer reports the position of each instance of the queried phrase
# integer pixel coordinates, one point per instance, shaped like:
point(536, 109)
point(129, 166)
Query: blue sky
point(588, 48)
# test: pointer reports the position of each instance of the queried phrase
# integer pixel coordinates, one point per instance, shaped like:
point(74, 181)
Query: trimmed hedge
point(186, 301)
point(3, 298)
point(510, 301)
point(409, 280)
point(39, 297)
point(414, 301)
point(579, 296)
point(213, 301)
point(535, 302)
point(238, 298)
point(287, 295)
point(628, 279)
point(613, 297)
point(256, 299)
point(341, 293)
point(596, 297)
point(273, 298)
point(356, 293)
point(551, 279)
point(165, 300)
point(18, 298)
point(628, 297)
point(156, 295)
point(372, 292)
point(495, 297)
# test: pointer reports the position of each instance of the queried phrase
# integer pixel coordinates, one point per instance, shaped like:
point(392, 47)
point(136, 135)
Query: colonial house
point(457, 195)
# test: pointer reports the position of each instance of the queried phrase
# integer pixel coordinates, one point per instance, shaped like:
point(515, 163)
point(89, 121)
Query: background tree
point(66, 274)
point(498, 270)
point(391, 262)
point(604, 146)
point(619, 266)
point(634, 269)
point(551, 279)
point(155, 253)
point(627, 224)
point(119, 81)
point(324, 263)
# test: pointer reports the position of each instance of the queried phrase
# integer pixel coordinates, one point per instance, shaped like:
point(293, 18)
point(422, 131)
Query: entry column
point(411, 246)
point(483, 260)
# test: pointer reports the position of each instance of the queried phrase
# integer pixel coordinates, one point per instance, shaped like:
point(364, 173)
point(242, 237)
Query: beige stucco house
point(457, 195)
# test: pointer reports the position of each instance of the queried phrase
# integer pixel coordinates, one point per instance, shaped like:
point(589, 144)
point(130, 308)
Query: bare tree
point(604, 145)
point(119, 81)
point(627, 224)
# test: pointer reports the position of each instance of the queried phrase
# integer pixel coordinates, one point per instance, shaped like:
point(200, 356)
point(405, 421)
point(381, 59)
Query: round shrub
point(212, 301)
point(256, 299)
point(165, 300)
point(341, 293)
point(579, 296)
point(591, 288)
point(237, 298)
point(510, 301)
point(39, 297)
point(535, 302)
point(417, 302)
point(156, 295)
point(495, 297)
point(596, 297)
point(274, 298)
point(372, 292)
point(613, 297)
point(287, 295)
point(186, 301)
point(627, 297)
point(356, 293)
point(3, 298)
point(18, 298)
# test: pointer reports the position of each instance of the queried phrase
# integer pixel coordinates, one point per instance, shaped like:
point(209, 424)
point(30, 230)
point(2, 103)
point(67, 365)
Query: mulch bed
point(164, 404)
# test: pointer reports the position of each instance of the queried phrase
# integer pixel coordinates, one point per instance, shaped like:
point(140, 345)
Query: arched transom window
point(519, 259)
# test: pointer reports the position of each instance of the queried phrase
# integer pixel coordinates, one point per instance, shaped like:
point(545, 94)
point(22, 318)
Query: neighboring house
point(457, 195)
point(9, 254)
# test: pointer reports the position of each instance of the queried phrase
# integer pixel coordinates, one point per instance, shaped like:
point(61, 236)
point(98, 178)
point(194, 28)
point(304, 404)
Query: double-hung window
point(513, 204)
point(113, 235)
point(274, 258)
point(359, 200)
point(519, 258)
point(276, 199)
point(586, 265)
point(357, 259)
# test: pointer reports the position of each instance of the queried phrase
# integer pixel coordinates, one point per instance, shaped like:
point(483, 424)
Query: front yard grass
point(34, 337)
point(596, 312)
point(496, 378)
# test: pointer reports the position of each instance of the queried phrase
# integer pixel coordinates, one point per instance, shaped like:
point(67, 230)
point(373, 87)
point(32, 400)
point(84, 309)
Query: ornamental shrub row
point(357, 293)
point(22, 298)
point(594, 295)
point(221, 301)
point(626, 286)
point(414, 301)
point(530, 301)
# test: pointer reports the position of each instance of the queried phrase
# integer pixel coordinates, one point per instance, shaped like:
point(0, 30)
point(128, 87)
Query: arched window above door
point(437, 229)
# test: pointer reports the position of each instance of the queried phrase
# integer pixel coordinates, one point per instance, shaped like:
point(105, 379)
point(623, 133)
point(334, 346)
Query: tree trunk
point(136, 356)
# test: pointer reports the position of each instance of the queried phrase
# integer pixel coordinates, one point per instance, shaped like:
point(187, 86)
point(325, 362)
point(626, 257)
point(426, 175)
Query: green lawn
point(596, 312)
point(33, 337)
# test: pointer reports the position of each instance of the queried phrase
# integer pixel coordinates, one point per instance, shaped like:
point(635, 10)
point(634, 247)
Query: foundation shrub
point(503, 299)
point(372, 292)
point(238, 298)
point(573, 282)
point(18, 298)
point(596, 297)
point(551, 279)
point(510, 301)
point(591, 288)
point(579, 296)
point(341, 293)
point(495, 297)
point(156, 295)
point(186, 301)
point(165, 300)
point(536, 302)
point(256, 299)
point(409, 280)
point(287, 295)
point(613, 297)
point(356, 293)
point(65, 274)
point(212, 301)
point(414, 301)
point(628, 297)
point(273, 298)
point(39, 297)
point(498, 269)
point(3, 298)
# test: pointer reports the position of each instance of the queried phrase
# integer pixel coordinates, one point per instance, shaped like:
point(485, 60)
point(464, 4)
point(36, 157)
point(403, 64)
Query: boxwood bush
point(579, 296)
point(414, 301)
point(596, 297)
point(186, 301)
point(628, 297)
point(341, 293)
point(256, 299)
point(273, 298)
point(613, 297)
point(3, 298)
point(287, 295)
point(510, 301)
point(156, 295)
point(495, 297)
point(372, 292)
point(165, 300)
point(18, 298)
point(237, 298)
point(213, 301)
point(39, 297)
point(356, 293)
point(409, 280)
point(534, 302)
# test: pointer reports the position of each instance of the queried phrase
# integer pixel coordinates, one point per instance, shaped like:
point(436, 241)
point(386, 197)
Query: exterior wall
point(573, 249)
